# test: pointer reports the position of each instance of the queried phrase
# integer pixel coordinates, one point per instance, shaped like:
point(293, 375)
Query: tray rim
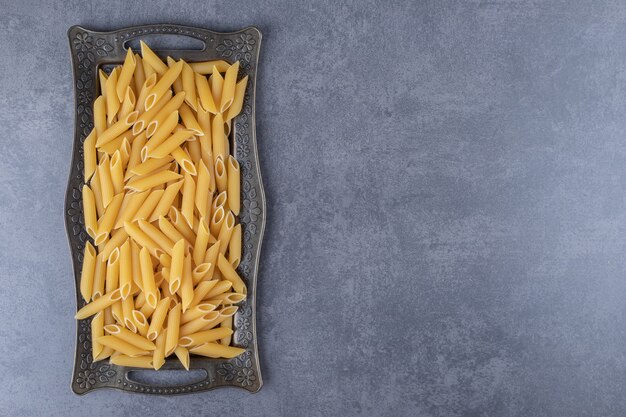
point(254, 354)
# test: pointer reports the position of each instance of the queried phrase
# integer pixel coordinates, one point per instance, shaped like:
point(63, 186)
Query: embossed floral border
point(90, 50)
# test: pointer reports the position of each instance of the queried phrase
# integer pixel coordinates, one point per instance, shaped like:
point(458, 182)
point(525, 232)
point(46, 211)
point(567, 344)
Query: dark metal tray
point(93, 50)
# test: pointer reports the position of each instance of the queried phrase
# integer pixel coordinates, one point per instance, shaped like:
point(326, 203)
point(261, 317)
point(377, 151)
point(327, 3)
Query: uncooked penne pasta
point(160, 201)
point(88, 271)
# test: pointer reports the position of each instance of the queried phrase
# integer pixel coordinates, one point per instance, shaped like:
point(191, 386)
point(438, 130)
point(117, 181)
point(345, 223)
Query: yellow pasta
point(215, 350)
point(161, 200)
point(143, 361)
point(207, 67)
point(113, 103)
point(237, 104)
point(217, 83)
point(189, 85)
point(173, 329)
point(139, 76)
point(152, 59)
point(88, 271)
point(121, 345)
point(90, 213)
point(163, 85)
point(228, 89)
point(229, 273)
point(158, 318)
point(98, 304)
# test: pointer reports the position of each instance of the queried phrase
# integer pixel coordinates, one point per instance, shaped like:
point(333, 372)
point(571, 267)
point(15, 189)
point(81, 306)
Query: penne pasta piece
point(90, 155)
point(178, 83)
point(117, 239)
point(164, 84)
point(144, 241)
point(99, 116)
point(188, 199)
point(107, 221)
point(166, 201)
point(158, 357)
point(227, 298)
point(196, 311)
point(221, 179)
point(205, 336)
point(142, 121)
point(135, 151)
point(216, 350)
point(90, 213)
point(227, 324)
point(201, 290)
point(98, 304)
point(113, 103)
point(229, 273)
point(205, 96)
point(143, 92)
point(98, 277)
point(125, 153)
point(120, 345)
point(158, 318)
point(148, 206)
point(139, 77)
point(189, 120)
point(128, 306)
point(105, 353)
point(202, 189)
point(97, 192)
point(233, 184)
point(217, 138)
point(186, 285)
point(219, 288)
point(157, 236)
point(236, 106)
point(157, 119)
point(88, 271)
point(226, 231)
point(189, 85)
point(201, 242)
point(200, 323)
point(148, 167)
point(130, 337)
point(177, 266)
point(137, 279)
point(140, 321)
point(102, 77)
point(193, 149)
point(152, 59)
point(228, 89)
point(211, 256)
point(152, 180)
point(173, 329)
point(117, 174)
point(125, 75)
point(217, 83)
point(128, 104)
point(207, 67)
point(147, 277)
point(184, 161)
point(130, 205)
point(158, 131)
point(106, 184)
point(97, 330)
point(144, 361)
point(170, 144)
point(234, 247)
point(183, 356)
point(217, 220)
point(116, 129)
point(114, 145)
point(126, 270)
point(200, 272)
point(171, 232)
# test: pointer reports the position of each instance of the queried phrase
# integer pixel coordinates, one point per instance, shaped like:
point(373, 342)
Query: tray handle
point(166, 381)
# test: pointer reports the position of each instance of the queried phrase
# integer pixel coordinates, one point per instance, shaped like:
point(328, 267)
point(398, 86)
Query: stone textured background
point(446, 213)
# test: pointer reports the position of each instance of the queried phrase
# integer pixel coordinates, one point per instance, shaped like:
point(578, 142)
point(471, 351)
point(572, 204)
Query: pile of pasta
point(160, 201)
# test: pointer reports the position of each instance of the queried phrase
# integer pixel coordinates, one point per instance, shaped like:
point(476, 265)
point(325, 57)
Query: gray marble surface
point(446, 213)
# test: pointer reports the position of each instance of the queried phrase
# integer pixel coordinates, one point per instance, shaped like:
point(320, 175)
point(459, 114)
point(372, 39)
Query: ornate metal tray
point(93, 50)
